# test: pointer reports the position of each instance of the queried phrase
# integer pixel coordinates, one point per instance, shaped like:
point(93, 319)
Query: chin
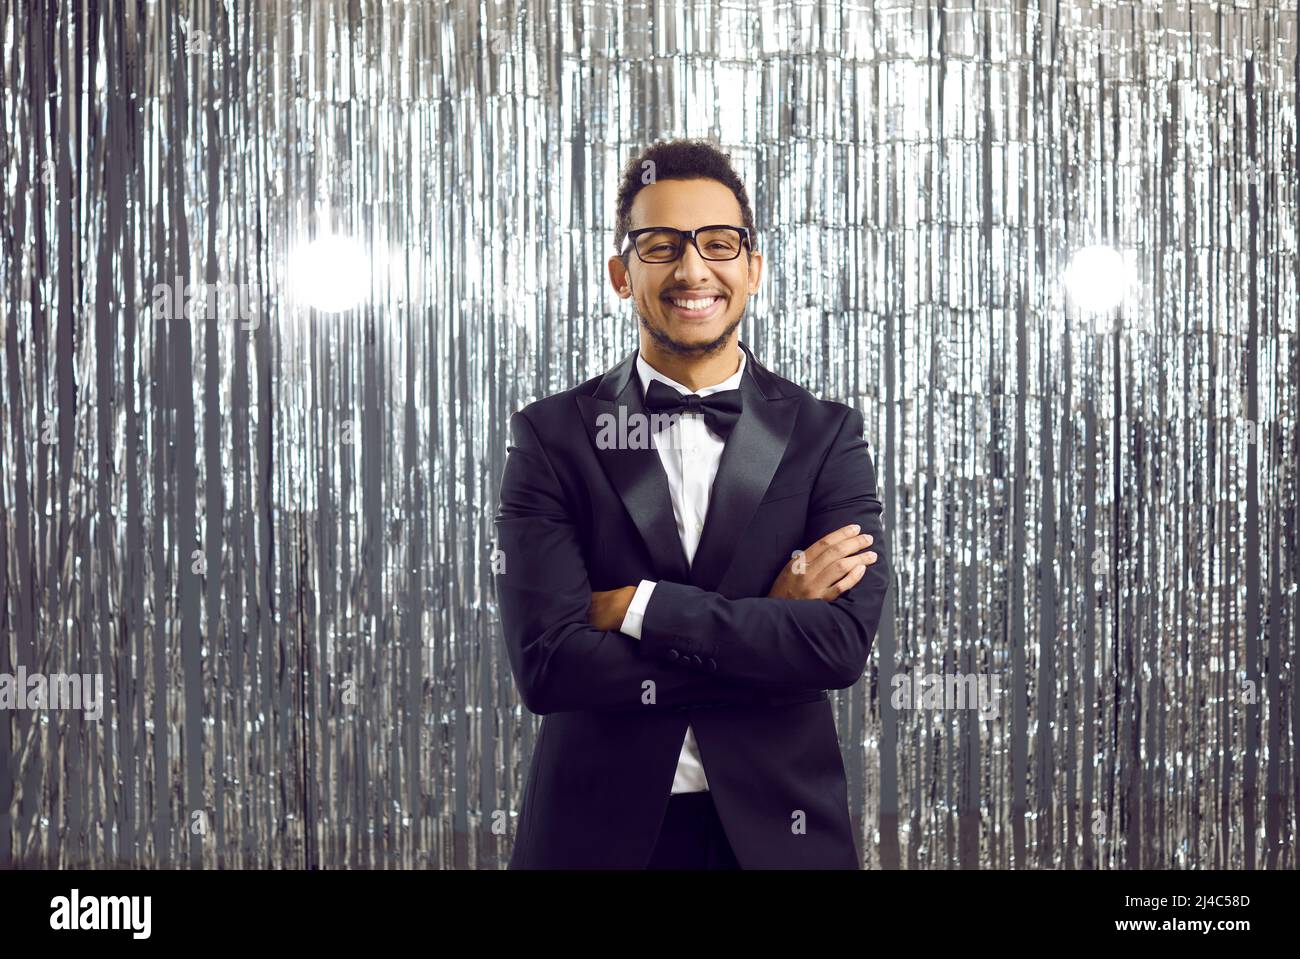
point(693, 338)
point(696, 332)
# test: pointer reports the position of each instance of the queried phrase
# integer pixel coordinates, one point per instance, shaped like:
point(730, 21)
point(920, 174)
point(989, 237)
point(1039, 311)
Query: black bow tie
point(721, 410)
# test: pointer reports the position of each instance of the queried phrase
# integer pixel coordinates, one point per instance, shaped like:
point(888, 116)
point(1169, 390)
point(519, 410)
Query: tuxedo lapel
point(749, 461)
point(637, 474)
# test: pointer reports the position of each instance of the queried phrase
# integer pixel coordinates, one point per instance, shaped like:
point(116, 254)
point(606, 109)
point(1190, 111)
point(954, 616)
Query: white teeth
point(695, 304)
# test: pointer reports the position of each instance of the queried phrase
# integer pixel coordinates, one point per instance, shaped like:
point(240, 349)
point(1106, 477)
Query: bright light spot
point(331, 273)
point(1098, 278)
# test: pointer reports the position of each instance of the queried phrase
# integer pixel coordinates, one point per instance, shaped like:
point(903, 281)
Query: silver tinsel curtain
point(268, 523)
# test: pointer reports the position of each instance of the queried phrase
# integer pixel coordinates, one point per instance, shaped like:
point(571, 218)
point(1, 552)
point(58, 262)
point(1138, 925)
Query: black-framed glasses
point(664, 244)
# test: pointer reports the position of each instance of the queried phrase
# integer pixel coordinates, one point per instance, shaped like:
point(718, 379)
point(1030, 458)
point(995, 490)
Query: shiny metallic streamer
point(272, 534)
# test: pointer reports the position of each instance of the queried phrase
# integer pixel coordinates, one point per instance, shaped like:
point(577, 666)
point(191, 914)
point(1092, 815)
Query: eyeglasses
point(663, 244)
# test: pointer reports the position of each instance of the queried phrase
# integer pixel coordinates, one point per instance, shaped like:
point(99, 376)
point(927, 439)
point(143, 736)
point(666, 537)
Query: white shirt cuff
point(636, 609)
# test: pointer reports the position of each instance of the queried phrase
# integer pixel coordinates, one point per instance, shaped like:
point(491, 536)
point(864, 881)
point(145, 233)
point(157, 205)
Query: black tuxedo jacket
point(748, 672)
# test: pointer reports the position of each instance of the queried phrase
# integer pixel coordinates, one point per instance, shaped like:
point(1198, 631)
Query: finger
point(844, 546)
point(841, 549)
point(830, 540)
point(847, 582)
point(836, 569)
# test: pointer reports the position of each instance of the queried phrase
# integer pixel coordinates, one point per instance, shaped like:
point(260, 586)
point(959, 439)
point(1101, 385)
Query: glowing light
point(1098, 278)
point(331, 273)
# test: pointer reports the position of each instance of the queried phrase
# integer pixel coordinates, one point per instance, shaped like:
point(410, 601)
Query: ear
point(755, 272)
point(619, 277)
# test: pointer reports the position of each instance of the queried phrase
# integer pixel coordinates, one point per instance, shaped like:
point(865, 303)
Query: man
point(693, 554)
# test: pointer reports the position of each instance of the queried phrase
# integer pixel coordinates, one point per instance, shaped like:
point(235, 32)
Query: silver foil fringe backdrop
point(269, 527)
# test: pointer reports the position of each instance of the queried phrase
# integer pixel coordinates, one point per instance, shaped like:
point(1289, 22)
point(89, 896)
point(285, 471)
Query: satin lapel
point(749, 461)
point(637, 474)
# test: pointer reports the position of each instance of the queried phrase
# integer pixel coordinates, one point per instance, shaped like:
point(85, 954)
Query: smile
point(695, 308)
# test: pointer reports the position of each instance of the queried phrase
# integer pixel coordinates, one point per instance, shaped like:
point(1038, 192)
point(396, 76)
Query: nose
point(691, 267)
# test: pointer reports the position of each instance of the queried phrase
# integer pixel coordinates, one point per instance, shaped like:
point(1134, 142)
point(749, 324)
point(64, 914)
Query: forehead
point(685, 204)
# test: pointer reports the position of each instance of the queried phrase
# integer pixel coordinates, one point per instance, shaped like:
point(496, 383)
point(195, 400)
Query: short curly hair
point(677, 160)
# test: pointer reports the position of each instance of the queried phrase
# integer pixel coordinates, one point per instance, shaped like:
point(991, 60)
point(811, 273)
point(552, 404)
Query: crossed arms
point(755, 646)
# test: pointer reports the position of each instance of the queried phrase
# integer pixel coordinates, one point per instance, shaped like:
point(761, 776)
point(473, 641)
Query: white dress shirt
point(690, 453)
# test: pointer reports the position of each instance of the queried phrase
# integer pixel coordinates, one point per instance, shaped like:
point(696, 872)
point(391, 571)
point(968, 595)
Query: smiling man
point(677, 610)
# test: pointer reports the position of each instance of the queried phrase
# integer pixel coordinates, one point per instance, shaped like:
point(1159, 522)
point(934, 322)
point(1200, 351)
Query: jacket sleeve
point(561, 662)
point(763, 641)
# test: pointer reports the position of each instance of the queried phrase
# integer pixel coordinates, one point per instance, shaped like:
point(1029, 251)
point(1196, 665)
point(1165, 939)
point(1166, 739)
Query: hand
point(609, 607)
point(826, 568)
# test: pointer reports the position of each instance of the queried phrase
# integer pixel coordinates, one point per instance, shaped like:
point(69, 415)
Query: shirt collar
point(648, 374)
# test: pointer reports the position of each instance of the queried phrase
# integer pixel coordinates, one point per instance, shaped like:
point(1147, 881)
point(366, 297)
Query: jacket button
point(713, 666)
point(673, 654)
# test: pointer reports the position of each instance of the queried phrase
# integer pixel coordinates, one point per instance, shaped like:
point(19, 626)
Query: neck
point(693, 372)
